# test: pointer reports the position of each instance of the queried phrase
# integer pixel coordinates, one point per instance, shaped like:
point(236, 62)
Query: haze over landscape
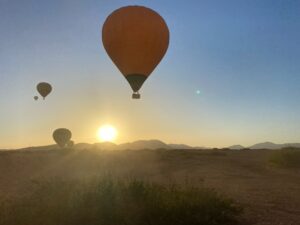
point(149, 112)
point(230, 76)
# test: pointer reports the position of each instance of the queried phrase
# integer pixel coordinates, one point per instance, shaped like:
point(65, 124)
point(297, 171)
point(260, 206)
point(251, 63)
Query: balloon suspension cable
point(136, 95)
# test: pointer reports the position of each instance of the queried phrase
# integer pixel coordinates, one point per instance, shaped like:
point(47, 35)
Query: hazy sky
point(242, 55)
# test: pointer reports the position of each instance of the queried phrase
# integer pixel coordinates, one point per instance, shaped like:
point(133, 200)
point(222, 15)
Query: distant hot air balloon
point(62, 136)
point(136, 38)
point(70, 144)
point(44, 89)
point(36, 98)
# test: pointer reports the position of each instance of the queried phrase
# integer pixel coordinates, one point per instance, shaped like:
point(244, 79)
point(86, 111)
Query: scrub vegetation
point(45, 186)
point(286, 158)
point(115, 202)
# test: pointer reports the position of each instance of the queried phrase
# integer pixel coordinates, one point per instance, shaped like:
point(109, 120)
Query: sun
point(107, 133)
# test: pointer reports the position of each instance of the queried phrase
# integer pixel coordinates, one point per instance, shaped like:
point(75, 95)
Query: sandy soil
point(270, 196)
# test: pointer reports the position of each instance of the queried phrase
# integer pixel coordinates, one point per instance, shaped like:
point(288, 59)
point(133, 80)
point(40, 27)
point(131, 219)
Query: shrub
point(114, 202)
point(287, 157)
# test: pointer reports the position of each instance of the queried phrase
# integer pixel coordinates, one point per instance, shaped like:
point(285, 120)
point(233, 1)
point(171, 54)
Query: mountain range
point(270, 145)
point(157, 144)
point(266, 145)
point(136, 145)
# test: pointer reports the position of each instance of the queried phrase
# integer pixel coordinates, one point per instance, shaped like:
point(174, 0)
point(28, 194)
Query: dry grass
point(107, 201)
point(270, 195)
point(286, 158)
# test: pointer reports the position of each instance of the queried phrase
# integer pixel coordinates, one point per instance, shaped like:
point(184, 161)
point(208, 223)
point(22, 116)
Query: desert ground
point(269, 195)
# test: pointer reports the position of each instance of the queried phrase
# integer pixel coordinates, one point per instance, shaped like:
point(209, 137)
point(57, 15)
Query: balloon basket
point(136, 96)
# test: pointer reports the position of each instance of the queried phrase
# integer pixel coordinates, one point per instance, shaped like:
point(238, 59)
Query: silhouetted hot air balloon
point(36, 98)
point(44, 89)
point(70, 144)
point(62, 136)
point(136, 38)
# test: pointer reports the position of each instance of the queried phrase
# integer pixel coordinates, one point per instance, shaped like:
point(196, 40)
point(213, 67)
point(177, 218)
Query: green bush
point(287, 157)
point(110, 202)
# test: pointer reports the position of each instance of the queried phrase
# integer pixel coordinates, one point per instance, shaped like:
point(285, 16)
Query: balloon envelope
point(136, 38)
point(44, 89)
point(70, 144)
point(36, 97)
point(62, 136)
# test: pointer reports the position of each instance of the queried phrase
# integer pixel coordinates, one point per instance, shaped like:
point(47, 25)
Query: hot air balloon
point(70, 144)
point(35, 98)
point(136, 39)
point(62, 136)
point(44, 89)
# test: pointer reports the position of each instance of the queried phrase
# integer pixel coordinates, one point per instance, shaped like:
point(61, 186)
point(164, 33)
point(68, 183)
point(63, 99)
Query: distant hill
point(236, 147)
point(83, 146)
point(270, 145)
point(266, 145)
point(154, 144)
point(101, 145)
point(180, 146)
point(294, 145)
point(136, 145)
point(144, 144)
point(41, 148)
point(183, 146)
point(105, 146)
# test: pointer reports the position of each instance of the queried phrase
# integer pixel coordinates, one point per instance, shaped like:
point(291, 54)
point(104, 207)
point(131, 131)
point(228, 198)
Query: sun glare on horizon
point(107, 133)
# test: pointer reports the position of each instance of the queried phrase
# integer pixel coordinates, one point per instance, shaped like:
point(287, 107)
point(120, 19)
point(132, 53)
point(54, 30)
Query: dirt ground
point(269, 195)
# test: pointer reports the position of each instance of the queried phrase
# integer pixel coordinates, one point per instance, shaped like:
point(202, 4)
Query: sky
point(231, 74)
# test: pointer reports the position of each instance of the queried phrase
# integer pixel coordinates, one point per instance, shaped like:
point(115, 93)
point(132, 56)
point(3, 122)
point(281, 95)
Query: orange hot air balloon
point(44, 89)
point(136, 38)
